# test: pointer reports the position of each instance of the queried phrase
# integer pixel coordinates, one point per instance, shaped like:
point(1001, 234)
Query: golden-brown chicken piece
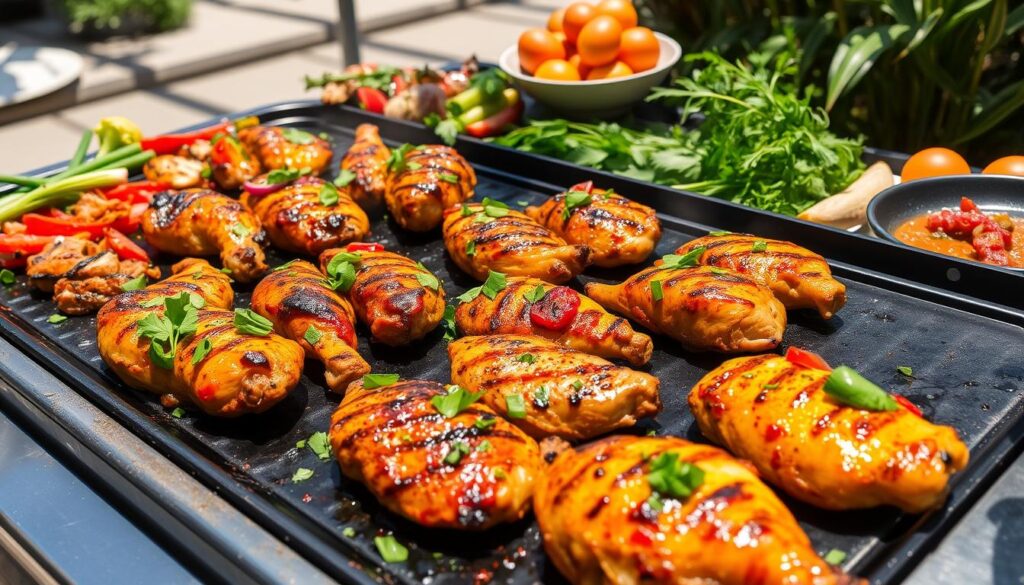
point(703, 307)
point(550, 390)
point(799, 278)
point(201, 222)
point(481, 237)
point(601, 525)
point(298, 219)
point(231, 163)
point(591, 329)
point(368, 159)
point(777, 415)
point(396, 297)
point(617, 231)
point(427, 181)
point(305, 309)
point(234, 374)
point(470, 471)
point(286, 148)
point(180, 172)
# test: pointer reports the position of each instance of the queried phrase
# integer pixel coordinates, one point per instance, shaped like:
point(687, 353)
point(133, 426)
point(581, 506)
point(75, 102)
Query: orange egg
point(574, 60)
point(577, 15)
point(537, 46)
point(558, 69)
point(555, 20)
point(621, 10)
point(609, 71)
point(598, 43)
point(639, 48)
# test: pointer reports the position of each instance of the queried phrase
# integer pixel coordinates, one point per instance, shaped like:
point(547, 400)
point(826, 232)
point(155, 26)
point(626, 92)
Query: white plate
point(27, 72)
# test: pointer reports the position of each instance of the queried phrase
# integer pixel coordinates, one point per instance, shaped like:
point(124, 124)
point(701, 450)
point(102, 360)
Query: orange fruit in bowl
point(576, 16)
point(570, 49)
point(537, 46)
point(557, 69)
point(639, 48)
point(620, 10)
point(598, 42)
point(609, 71)
point(574, 60)
point(555, 20)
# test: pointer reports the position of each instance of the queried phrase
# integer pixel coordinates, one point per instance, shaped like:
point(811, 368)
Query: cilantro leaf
point(344, 178)
point(371, 381)
point(455, 401)
point(252, 323)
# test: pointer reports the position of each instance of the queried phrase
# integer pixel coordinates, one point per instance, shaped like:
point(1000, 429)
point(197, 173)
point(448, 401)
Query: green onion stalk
point(59, 192)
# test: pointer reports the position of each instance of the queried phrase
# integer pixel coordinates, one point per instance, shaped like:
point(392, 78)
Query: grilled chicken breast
point(617, 231)
point(601, 525)
point(303, 308)
point(396, 442)
point(368, 159)
point(231, 163)
point(799, 278)
point(286, 148)
point(201, 222)
point(512, 244)
point(705, 308)
point(432, 178)
point(180, 172)
point(592, 330)
point(777, 415)
point(239, 373)
point(557, 391)
point(396, 297)
point(297, 219)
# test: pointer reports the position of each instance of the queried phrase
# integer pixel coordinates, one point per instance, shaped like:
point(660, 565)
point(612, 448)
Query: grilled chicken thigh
point(286, 148)
point(303, 308)
point(617, 231)
point(470, 471)
point(298, 220)
point(777, 415)
point(397, 298)
point(547, 389)
point(368, 159)
point(427, 181)
point(231, 163)
point(180, 172)
point(799, 278)
point(705, 308)
point(480, 240)
point(601, 525)
point(202, 222)
point(592, 330)
point(237, 374)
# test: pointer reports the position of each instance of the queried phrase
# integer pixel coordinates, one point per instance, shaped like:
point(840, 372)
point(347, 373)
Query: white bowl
point(593, 99)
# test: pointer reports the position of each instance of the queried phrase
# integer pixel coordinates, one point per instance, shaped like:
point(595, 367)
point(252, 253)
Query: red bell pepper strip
point(42, 225)
point(371, 100)
point(23, 243)
point(494, 125)
point(136, 192)
point(364, 247)
point(170, 143)
point(905, 403)
point(806, 359)
point(124, 247)
point(129, 224)
point(556, 309)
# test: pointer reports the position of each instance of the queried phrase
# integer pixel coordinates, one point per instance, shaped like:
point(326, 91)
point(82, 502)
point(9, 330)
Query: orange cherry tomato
point(583, 69)
point(609, 71)
point(555, 20)
point(1008, 165)
point(537, 46)
point(639, 48)
point(620, 10)
point(598, 43)
point(576, 16)
point(557, 69)
point(934, 162)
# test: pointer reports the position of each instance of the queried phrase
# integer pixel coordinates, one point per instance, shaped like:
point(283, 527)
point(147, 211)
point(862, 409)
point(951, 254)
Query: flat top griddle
point(966, 357)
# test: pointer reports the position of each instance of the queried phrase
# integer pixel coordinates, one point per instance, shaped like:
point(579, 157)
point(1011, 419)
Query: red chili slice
point(364, 247)
point(806, 359)
point(585, 186)
point(905, 403)
point(556, 310)
point(124, 247)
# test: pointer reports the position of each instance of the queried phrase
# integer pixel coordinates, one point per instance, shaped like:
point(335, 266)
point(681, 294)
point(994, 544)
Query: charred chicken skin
point(601, 525)
point(459, 472)
point(368, 159)
point(238, 374)
point(798, 277)
point(703, 307)
point(180, 172)
point(777, 415)
point(550, 390)
point(201, 222)
point(591, 329)
point(617, 231)
point(427, 181)
point(297, 219)
point(286, 148)
point(511, 243)
point(398, 299)
point(303, 308)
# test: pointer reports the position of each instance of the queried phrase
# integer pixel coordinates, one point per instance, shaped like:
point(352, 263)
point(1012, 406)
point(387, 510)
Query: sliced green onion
point(81, 151)
point(22, 180)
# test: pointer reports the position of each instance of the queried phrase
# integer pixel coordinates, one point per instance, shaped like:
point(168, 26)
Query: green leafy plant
point(110, 15)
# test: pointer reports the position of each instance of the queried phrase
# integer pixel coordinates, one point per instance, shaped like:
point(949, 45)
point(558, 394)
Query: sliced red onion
point(262, 189)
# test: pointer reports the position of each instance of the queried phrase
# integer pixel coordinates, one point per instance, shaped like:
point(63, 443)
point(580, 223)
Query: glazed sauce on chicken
point(915, 232)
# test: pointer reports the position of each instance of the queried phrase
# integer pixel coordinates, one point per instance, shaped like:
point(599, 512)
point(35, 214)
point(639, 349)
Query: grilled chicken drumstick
point(218, 369)
point(425, 182)
point(303, 308)
point(481, 237)
point(617, 231)
point(547, 389)
point(286, 148)
point(777, 415)
point(799, 278)
point(201, 222)
point(606, 519)
point(440, 467)
point(368, 159)
point(300, 218)
point(583, 325)
point(703, 307)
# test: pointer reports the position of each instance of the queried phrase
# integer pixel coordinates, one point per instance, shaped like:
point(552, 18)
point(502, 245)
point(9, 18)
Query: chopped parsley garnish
point(301, 474)
point(390, 549)
point(686, 260)
point(312, 335)
point(7, 277)
point(541, 397)
point(180, 319)
point(578, 384)
point(526, 358)
point(319, 444)
point(760, 246)
point(834, 557)
point(250, 322)
point(239, 232)
point(348, 532)
point(328, 194)
point(278, 176)
point(137, 283)
point(449, 177)
point(484, 446)
point(459, 448)
point(178, 412)
point(371, 381)
point(574, 199)
point(296, 136)
point(396, 163)
point(515, 406)
point(536, 294)
point(344, 178)
point(427, 278)
point(448, 323)
point(341, 270)
point(56, 318)
point(494, 284)
point(485, 423)
point(471, 248)
point(202, 350)
point(672, 478)
point(906, 371)
point(455, 401)
point(719, 233)
point(657, 293)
